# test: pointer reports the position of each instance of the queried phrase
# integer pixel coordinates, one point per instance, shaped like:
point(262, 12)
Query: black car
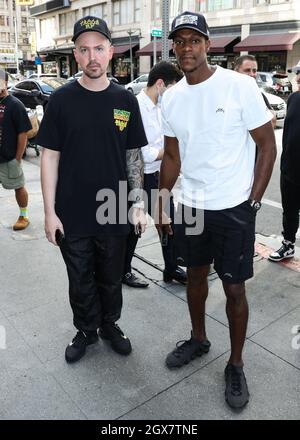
point(33, 92)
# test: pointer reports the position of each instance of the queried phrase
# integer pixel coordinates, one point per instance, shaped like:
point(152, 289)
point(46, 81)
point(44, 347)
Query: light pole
point(16, 43)
point(130, 32)
point(165, 31)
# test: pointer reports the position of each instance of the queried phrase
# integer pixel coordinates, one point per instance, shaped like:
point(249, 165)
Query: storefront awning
point(120, 50)
point(268, 42)
point(220, 44)
point(148, 50)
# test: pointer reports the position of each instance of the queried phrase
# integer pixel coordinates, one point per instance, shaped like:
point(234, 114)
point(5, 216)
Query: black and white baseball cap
point(189, 20)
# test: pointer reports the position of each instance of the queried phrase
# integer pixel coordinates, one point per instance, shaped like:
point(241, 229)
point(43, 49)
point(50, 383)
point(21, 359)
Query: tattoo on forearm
point(135, 173)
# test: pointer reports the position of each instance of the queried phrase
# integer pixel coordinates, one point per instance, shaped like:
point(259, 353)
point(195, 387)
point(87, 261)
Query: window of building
point(137, 11)
point(47, 28)
point(26, 40)
point(66, 22)
point(99, 10)
point(156, 9)
point(124, 11)
point(4, 37)
point(217, 5)
point(269, 2)
point(178, 6)
point(2, 20)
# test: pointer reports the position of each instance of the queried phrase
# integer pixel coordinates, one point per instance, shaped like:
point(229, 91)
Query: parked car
point(79, 75)
point(278, 106)
point(43, 75)
point(34, 92)
point(137, 84)
point(279, 82)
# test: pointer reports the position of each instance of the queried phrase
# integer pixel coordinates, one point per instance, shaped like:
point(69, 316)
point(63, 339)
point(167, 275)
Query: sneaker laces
point(236, 385)
point(181, 346)
point(79, 337)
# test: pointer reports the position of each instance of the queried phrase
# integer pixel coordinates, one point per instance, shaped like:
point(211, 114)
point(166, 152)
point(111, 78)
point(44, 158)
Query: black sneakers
point(119, 342)
point(132, 280)
point(76, 349)
point(178, 275)
point(236, 391)
point(186, 351)
point(287, 250)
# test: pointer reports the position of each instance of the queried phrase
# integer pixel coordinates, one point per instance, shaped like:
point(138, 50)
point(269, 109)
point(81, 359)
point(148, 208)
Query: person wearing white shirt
point(211, 120)
point(162, 76)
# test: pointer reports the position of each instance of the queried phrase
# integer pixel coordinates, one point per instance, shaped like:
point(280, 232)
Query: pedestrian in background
point(14, 124)
point(247, 65)
point(162, 76)
point(92, 133)
point(211, 120)
point(290, 175)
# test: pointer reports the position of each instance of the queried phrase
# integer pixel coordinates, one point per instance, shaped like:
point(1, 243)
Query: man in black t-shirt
point(14, 124)
point(92, 133)
point(290, 175)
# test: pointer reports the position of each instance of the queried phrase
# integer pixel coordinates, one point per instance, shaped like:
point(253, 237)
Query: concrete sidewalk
point(36, 382)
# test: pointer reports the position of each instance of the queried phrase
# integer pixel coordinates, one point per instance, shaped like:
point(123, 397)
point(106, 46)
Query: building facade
point(269, 29)
point(17, 29)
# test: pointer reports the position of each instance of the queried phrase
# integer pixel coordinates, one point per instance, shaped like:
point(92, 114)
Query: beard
point(94, 74)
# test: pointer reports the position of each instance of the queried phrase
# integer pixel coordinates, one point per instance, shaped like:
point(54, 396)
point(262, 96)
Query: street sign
point(156, 32)
point(37, 61)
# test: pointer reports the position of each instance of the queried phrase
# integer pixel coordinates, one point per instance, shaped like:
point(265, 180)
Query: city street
point(36, 325)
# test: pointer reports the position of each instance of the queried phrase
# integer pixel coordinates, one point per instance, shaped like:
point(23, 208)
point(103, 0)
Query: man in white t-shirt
point(162, 76)
point(211, 120)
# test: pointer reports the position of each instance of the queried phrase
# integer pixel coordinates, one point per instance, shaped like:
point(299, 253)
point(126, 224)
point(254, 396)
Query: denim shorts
point(227, 240)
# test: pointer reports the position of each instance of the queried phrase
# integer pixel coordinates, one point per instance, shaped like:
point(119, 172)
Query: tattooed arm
point(135, 177)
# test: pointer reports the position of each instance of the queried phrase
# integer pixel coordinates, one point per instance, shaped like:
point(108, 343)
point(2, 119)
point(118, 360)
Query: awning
point(267, 42)
point(219, 44)
point(120, 50)
point(148, 50)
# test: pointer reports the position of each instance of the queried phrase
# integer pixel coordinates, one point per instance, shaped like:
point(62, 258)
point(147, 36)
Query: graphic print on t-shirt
point(121, 118)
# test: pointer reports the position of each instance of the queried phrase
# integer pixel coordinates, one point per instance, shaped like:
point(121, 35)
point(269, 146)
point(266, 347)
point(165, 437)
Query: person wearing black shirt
point(92, 133)
point(290, 175)
point(14, 124)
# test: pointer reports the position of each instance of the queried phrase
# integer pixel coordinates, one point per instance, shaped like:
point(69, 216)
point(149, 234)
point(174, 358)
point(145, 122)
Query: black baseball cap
point(189, 20)
point(91, 24)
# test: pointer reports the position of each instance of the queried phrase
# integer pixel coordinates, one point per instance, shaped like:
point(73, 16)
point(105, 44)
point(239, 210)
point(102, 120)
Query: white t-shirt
point(211, 121)
point(151, 116)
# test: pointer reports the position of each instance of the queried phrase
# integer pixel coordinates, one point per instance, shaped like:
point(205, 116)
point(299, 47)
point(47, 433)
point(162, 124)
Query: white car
point(137, 84)
point(278, 106)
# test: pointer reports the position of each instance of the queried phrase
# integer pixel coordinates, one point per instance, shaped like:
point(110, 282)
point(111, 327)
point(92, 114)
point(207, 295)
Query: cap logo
point(89, 24)
point(186, 19)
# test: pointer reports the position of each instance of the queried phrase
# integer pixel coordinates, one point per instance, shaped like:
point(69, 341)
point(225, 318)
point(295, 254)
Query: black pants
point(95, 268)
point(290, 196)
point(151, 182)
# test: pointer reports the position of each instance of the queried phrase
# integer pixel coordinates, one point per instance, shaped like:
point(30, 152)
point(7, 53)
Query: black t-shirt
point(92, 131)
point(13, 121)
point(290, 158)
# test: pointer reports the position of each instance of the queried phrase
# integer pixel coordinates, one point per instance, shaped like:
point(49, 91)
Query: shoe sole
point(22, 228)
point(193, 357)
point(280, 259)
